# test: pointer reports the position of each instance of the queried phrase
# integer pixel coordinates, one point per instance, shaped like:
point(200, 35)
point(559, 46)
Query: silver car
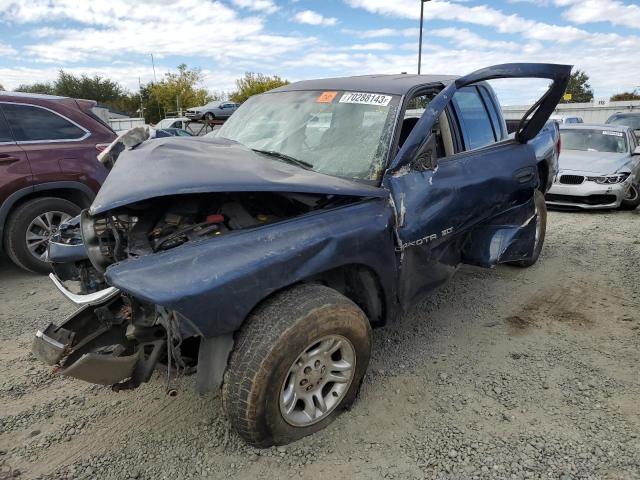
point(212, 111)
point(599, 168)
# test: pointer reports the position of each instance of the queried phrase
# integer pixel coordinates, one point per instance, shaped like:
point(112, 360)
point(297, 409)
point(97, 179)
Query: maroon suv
point(48, 169)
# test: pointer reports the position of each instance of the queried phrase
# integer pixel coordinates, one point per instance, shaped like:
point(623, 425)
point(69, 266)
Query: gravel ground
point(504, 373)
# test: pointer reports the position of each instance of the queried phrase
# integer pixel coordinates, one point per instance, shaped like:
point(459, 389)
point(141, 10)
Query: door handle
point(524, 175)
point(6, 159)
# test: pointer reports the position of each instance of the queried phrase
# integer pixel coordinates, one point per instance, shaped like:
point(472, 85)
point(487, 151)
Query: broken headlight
point(609, 179)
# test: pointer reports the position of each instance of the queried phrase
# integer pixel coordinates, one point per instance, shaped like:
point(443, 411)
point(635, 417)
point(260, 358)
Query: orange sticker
point(326, 97)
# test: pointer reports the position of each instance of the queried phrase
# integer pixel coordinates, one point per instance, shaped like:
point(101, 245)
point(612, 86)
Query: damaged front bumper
point(101, 343)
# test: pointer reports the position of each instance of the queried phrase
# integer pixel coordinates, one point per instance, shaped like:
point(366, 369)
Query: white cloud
point(266, 6)
point(468, 39)
point(370, 47)
point(7, 50)
point(592, 11)
point(314, 18)
point(382, 32)
point(478, 15)
point(119, 28)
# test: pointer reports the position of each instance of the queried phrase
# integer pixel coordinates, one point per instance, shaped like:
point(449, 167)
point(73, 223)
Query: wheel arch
point(75, 192)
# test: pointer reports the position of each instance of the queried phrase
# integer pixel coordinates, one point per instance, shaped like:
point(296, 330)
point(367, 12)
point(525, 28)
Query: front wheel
point(541, 230)
point(298, 361)
point(209, 117)
point(632, 199)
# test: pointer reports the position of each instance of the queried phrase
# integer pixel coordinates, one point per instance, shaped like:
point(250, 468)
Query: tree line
point(183, 90)
point(174, 92)
point(580, 90)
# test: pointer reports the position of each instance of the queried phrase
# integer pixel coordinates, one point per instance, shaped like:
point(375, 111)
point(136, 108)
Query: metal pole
point(420, 41)
point(153, 65)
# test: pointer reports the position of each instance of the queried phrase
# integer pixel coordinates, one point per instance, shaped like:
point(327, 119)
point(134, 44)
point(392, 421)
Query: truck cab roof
point(397, 84)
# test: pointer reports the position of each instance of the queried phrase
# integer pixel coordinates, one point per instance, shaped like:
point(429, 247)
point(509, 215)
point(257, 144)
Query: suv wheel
point(29, 228)
point(298, 361)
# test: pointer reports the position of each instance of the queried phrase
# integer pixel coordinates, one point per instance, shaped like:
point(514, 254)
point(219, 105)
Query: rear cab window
point(473, 117)
point(31, 123)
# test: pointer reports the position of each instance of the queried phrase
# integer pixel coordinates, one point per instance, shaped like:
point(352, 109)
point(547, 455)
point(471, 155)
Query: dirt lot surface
point(504, 373)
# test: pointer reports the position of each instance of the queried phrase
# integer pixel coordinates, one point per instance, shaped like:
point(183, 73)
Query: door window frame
point(87, 133)
point(3, 118)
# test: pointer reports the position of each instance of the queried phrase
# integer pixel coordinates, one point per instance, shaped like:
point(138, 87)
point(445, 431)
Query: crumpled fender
point(215, 283)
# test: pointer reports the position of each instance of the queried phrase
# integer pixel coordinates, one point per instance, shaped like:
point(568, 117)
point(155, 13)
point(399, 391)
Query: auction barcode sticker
point(365, 98)
point(610, 132)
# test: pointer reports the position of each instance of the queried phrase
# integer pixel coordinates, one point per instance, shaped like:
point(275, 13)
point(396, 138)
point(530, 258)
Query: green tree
point(579, 88)
point(94, 88)
point(254, 83)
point(619, 97)
point(176, 91)
point(41, 87)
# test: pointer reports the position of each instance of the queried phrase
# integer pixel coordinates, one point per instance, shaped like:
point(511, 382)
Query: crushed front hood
point(173, 166)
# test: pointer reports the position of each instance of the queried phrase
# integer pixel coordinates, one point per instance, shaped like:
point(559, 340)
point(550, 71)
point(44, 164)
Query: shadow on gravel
point(8, 271)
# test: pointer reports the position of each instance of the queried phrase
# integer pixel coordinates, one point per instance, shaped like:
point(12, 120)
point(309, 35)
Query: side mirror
point(636, 151)
point(426, 157)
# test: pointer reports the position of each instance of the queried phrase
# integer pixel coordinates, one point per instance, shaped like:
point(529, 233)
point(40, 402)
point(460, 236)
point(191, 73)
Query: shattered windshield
point(338, 133)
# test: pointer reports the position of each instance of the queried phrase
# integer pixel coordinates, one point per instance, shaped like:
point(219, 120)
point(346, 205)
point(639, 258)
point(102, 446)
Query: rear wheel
point(298, 361)
point(541, 229)
point(632, 199)
point(29, 228)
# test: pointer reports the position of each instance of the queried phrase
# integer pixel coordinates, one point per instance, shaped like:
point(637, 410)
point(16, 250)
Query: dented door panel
point(443, 210)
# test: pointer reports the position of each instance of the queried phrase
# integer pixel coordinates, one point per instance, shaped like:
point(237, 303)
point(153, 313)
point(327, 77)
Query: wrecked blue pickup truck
point(262, 257)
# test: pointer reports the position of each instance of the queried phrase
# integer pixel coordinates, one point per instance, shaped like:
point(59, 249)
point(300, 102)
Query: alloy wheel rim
point(317, 381)
point(40, 231)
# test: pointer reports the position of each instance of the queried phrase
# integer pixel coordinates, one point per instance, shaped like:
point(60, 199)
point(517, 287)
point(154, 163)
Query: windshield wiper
point(285, 157)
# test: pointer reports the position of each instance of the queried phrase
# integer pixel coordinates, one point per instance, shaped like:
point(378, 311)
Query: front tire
point(541, 230)
point(209, 117)
point(29, 228)
point(632, 200)
point(298, 362)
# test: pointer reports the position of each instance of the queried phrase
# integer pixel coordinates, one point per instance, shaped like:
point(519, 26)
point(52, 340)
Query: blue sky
point(301, 39)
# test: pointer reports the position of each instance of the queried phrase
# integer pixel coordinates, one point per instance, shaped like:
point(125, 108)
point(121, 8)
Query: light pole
point(420, 41)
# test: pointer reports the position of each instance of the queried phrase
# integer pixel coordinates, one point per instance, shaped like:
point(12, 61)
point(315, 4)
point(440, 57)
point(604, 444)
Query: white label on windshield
point(615, 134)
point(365, 98)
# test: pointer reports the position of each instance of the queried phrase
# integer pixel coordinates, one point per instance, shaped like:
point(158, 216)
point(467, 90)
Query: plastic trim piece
point(88, 299)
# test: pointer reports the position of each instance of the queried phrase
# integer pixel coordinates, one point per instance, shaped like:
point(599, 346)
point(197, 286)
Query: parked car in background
point(631, 120)
point(265, 254)
point(566, 119)
point(599, 168)
point(172, 132)
point(48, 170)
point(212, 111)
point(177, 122)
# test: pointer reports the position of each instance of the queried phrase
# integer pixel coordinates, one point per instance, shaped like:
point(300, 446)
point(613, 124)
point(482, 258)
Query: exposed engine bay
point(165, 223)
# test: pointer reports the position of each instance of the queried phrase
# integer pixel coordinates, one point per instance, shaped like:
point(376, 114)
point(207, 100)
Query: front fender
point(215, 283)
